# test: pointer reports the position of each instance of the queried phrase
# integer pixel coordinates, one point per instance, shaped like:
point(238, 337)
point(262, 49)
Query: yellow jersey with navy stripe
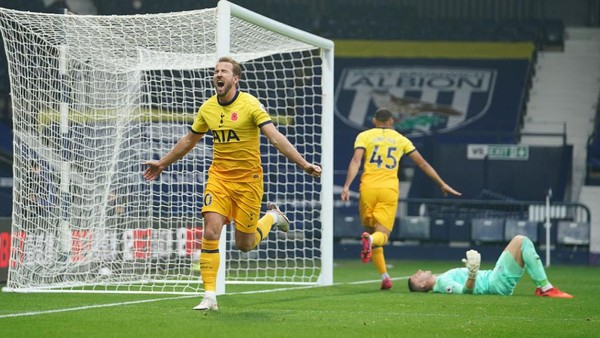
point(384, 148)
point(235, 127)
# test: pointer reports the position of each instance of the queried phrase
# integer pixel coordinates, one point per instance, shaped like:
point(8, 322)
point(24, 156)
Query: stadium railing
point(476, 221)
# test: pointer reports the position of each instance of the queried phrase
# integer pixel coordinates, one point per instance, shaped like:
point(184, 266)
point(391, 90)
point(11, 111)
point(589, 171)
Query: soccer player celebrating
point(518, 256)
point(382, 147)
point(234, 188)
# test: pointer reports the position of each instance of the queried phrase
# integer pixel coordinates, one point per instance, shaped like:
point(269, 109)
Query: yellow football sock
point(209, 263)
point(379, 238)
point(379, 260)
point(263, 228)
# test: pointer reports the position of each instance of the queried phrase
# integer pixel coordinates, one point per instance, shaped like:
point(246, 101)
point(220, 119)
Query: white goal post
point(93, 97)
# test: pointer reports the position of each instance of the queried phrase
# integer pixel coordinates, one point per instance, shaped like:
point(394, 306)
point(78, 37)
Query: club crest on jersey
point(422, 99)
point(234, 116)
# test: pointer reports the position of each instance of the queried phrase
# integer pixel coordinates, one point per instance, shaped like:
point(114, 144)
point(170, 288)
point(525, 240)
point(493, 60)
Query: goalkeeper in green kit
point(518, 256)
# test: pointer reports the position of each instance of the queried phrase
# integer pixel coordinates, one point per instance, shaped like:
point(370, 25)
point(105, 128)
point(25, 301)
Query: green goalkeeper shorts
point(506, 274)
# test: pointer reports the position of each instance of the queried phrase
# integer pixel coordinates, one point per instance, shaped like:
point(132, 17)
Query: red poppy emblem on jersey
point(234, 116)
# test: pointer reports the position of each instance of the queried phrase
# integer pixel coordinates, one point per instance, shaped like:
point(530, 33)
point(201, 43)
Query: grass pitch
point(353, 307)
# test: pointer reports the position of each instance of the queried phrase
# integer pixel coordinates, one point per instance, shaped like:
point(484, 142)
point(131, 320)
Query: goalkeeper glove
point(472, 262)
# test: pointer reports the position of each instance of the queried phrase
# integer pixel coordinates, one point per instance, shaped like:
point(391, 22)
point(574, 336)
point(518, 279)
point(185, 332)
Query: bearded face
point(225, 81)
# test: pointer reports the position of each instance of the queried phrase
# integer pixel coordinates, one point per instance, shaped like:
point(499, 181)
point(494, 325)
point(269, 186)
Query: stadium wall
point(463, 92)
point(512, 172)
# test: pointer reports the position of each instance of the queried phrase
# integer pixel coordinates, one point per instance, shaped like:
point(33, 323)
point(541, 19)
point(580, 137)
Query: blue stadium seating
point(413, 227)
point(347, 222)
point(573, 233)
point(439, 229)
point(513, 227)
point(459, 229)
point(487, 229)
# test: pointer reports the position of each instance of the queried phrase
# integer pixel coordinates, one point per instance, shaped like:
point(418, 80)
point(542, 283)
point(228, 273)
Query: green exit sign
point(508, 152)
point(497, 152)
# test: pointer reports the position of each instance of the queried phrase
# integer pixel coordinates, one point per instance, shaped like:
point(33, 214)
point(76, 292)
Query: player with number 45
point(382, 147)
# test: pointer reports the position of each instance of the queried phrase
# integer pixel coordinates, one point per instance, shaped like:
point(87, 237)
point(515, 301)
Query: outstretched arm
point(353, 168)
point(183, 146)
point(428, 169)
point(284, 146)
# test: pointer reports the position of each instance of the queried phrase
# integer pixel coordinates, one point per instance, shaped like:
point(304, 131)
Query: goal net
point(93, 97)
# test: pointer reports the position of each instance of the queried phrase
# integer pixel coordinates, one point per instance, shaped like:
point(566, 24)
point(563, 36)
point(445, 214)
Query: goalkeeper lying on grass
point(518, 256)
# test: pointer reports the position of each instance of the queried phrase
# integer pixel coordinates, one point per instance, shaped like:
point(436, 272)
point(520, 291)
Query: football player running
point(234, 189)
point(382, 147)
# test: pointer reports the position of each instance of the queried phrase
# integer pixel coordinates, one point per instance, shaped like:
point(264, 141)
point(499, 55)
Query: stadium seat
point(487, 229)
point(573, 233)
point(514, 227)
point(439, 229)
point(459, 230)
point(413, 227)
point(347, 222)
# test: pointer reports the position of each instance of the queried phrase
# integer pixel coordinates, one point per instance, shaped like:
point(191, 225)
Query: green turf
point(353, 307)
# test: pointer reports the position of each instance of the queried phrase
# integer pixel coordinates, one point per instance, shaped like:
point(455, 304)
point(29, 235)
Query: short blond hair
point(237, 68)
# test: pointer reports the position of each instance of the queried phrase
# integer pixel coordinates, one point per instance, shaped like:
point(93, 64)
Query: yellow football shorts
point(378, 206)
point(238, 201)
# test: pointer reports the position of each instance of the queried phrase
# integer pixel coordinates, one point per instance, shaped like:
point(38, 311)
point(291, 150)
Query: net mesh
point(94, 97)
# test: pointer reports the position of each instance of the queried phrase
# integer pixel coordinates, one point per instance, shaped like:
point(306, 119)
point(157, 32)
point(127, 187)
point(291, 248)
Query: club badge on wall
point(422, 99)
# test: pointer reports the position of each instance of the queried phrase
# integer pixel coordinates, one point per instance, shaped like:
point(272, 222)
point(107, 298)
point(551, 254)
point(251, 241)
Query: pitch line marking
point(88, 307)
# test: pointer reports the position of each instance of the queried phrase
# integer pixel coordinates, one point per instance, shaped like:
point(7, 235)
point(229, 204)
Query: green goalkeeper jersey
point(499, 281)
point(453, 281)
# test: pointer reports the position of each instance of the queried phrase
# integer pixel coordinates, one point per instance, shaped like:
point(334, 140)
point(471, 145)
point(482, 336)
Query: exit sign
point(497, 152)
